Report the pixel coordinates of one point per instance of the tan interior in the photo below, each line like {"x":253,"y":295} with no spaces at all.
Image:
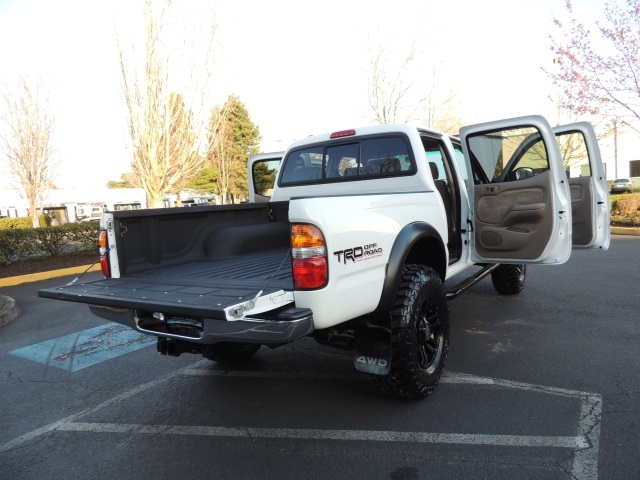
{"x":583,"y":222}
{"x":512,"y":218}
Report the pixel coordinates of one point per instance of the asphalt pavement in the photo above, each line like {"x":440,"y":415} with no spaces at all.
{"x":545,"y":384}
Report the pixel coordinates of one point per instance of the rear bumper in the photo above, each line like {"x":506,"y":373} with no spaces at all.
{"x":274,"y":328}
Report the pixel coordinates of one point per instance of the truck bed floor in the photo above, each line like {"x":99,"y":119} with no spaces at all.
{"x":201,"y":289}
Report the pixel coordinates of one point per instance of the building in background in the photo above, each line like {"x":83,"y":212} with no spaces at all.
{"x":621,"y":156}
{"x":75,"y":205}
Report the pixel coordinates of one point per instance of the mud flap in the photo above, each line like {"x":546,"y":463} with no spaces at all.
{"x":372,"y":353}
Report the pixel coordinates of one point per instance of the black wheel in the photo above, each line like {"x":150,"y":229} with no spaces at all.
{"x":419,"y":334}
{"x":509,"y":279}
{"x":230,"y":352}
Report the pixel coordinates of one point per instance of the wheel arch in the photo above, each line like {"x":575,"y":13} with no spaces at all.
{"x":417,"y":243}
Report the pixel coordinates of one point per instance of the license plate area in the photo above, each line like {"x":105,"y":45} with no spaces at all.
{"x":162,"y":323}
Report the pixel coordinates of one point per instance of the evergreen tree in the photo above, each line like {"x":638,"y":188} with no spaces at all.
{"x":206,"y":181}
{"x":233,"y":137}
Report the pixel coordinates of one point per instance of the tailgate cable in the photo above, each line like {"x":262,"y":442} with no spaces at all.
{"x":88,"y":268}
{"x":239,"y":310}
{"x":272,"y":276}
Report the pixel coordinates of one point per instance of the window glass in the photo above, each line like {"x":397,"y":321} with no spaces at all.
{"x":437,"y":160}
{"x":434,"y":157}
{"x":303,"y":166}
{"x":264,"y":176}
{"x":509,"y":155}
{"x":575,"y":157}
{"x":340,"y":158}
{"x":459,"y":156}
{"x":385,"y":156}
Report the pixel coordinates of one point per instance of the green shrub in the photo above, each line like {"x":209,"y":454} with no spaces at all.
{"x":24,"y":222}
{"x":20,"y":222}
{"x":51,"y":240}
{"x":45,"y":220}
{"x":84,"y":236}
{"x":16,"y":244}
{"x":68,"y":238}
{"x":20,"y":243}
{"x":625,"y":209}
{"x":626,"y":206}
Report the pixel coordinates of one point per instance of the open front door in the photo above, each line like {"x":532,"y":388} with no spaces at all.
{"x":519,"y":198}
{"x":589,"y":193}
{"x":263,"y":171}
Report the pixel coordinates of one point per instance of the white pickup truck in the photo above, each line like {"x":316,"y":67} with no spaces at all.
{"x":350,"y":238}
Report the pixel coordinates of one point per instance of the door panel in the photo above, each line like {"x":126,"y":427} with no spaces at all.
{"x":513,"y":217}
{"x":581,"y":212}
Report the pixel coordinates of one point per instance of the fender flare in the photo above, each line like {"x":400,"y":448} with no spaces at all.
{"x":403,"y":252}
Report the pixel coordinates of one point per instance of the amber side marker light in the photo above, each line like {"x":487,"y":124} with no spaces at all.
{"x":104,"y":257}
{"x":309,"y":254}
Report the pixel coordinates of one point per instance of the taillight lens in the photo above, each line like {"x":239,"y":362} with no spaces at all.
{"x":103,"y":242}
{"x":309,"y":253}
{"x":342,"y":133}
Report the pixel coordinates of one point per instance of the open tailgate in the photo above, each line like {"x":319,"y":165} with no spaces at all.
{"x":199,"y":289}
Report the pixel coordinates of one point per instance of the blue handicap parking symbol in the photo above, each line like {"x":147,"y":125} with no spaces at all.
{"x":89,"y":347}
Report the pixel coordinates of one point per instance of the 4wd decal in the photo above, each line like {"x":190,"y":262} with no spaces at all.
{"x":372,"y":361}
{"x":359,"y":254}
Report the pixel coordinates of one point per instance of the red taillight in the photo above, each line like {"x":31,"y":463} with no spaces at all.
{"x":309,"y":254}
{"x":309,"y":273}
{"x":104,"y":265}
{"x":103,"y":241}
{"x":343,"y":133}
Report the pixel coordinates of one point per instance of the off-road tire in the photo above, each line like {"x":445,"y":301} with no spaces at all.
{"x":509,"y":279}
{"x":419,"y":335}
{"x":230,"y":352}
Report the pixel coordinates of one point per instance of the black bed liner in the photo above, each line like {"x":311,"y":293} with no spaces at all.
{"x":198,"y":289}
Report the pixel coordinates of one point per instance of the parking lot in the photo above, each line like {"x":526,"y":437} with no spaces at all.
{"x":545,"y":384}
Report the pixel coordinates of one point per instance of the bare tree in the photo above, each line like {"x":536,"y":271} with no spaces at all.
{"x":602,"y":80}
{"x":27,"y":141}
{"x":220,"y":133}
{"x":391,"y":87}
{"x":441,"y":107}
{"x":167,"y":129}
{"x":399,"y":93}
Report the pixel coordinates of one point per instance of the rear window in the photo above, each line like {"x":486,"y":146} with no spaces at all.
{"x":365,"y":158}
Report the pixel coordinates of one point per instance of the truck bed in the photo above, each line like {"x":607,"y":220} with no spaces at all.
{"x":198,"y":289}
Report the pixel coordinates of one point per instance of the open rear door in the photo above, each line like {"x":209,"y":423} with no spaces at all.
{"x":520,"y":200}
{"x":589,"y":193}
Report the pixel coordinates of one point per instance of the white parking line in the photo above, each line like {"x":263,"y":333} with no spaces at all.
{"x":306,"y":434}
{"x":27,"y":437}
{"x":585,"y":443}
{"x":585,"y":461}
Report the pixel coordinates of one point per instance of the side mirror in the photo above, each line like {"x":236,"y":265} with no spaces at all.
{"x":521,"y":173}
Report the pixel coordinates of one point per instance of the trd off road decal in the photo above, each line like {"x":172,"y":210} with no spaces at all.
{"x":358,"y":254}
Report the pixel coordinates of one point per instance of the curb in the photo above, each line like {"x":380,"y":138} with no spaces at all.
{"x":9,"y":311}
{"x":626,"y":230}
{"x":36,"y":277}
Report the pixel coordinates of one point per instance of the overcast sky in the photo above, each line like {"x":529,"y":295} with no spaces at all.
{"x":299,"y":67}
